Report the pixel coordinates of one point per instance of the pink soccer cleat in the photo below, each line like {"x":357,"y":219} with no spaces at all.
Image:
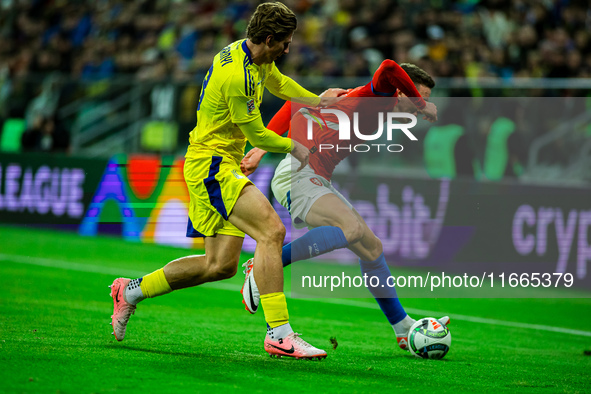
{"x":293,"y":346}
{"x":122,"y":309}
{"x":250,"y":291}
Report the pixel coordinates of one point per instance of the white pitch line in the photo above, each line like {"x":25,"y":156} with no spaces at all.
{"x":92,"y":268}
{"x":471,"y":319}
{"x":68,"y":265}
{"x":98,"y":269}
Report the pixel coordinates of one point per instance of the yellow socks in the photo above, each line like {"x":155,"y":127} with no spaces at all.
{"x":155,"y":284}
{"x":275,"y":309}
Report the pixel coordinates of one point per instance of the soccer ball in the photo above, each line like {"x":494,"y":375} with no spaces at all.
{"x":429,"y":338}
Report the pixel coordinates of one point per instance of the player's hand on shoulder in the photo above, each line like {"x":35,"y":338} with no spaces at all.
{"x":331,"y":96}
{"x":334,"y":92}
{"x":429,"y":112}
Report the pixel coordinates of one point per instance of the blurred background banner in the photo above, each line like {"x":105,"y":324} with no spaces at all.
{"x":137,"y":197}
{"x":46,"y":189}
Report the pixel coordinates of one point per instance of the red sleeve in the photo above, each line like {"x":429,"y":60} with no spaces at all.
{"x":389,"y":77}
{"x":280,"y":122}
{"x":282,"y":119}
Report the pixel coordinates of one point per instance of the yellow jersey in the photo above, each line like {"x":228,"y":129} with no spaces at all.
{"x":231,"y":94}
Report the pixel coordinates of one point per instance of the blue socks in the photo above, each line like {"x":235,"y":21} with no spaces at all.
{"x":325,"y":239}
{"x":385,"y":296}
{"x":315,"y":242}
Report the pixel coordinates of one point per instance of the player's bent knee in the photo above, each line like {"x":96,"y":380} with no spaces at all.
{"x":223,"y":268}
{"x":268,"y":227}
{"x":353,"y":231}
{"x":223,"y":271}
{"x":275,"y":232}
{"x":279,"y":232}
{"x":227,"y":272}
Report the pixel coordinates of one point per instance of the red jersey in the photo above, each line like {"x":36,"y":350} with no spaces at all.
{"x":387,"y":81}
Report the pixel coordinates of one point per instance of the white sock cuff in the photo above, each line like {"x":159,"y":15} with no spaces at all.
{"x":133,"y":292}
{"x":279,"y":332}
{"x":401,"y":328}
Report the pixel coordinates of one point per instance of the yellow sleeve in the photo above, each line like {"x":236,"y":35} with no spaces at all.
{"x":287,"y":89}
{"x":261,"y":137}
{"x":239,"y":91}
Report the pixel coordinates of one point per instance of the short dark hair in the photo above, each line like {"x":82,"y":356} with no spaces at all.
{"x":271,"y":19}
{"x":418,"y":75}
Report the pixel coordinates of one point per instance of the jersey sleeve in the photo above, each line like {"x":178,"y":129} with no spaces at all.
{"x":239,"y":91}
{"x":288,"y":89}
{"x":389,"y":77}
{"x":279,"y":124}
{"x":265,"y":139}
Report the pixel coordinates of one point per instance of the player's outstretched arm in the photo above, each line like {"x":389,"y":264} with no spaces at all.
{"x":331,"y":96}
{"x":265,"y":139}
{"x":288,"y":89}
{"x":253,"y":158}
{"x":391,"y":76}
{"x":279,"y":124}
{"x":281,"y":121}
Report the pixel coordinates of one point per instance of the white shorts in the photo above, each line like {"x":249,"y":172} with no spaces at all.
{"x":298,"y":191}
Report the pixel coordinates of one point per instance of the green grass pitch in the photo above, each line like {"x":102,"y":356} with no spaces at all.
{"x":55,"y":334}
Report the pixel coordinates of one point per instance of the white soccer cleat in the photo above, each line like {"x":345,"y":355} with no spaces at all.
{"x":250,"y":292}
{"x":293,"y":346}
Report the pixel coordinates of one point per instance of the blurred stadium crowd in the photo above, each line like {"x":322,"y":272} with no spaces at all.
{"x":99,"y":69}
{"x":151,"y":39}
